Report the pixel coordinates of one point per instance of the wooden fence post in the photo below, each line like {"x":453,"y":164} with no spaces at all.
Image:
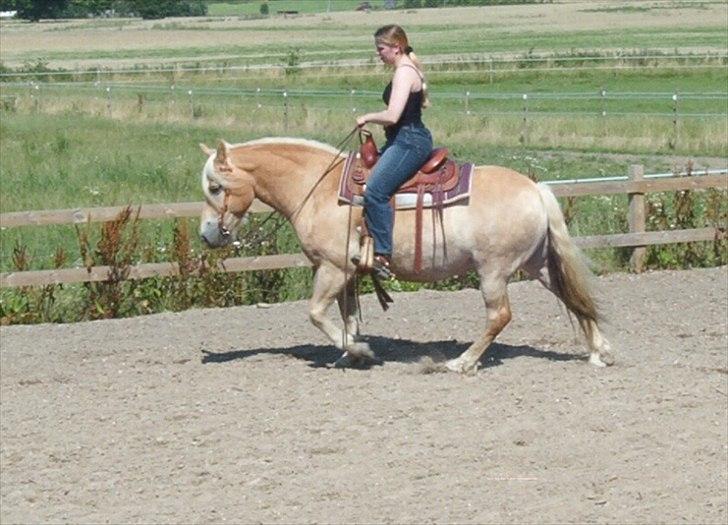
{"x":636,"y":218}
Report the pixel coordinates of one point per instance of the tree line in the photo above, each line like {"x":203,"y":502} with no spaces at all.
{"x":34,"y":10}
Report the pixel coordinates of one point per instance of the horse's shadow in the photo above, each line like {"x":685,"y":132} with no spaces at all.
{"x":394,"y":350}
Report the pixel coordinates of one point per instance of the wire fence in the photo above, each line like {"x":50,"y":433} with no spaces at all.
{"x":673,"y":104}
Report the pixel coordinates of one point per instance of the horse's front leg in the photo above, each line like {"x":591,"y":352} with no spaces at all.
{"x":349,"y":308}
{"x":328,"y":284}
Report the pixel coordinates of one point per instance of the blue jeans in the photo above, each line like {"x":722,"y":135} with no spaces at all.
{"x":400,"y":160}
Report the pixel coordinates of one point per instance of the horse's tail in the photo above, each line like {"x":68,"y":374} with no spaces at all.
{"x":569,"y":274}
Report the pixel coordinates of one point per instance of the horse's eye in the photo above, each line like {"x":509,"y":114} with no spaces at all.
{"x":215,"y":189}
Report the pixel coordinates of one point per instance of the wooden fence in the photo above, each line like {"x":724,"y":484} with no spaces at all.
{"x":635,"y":186}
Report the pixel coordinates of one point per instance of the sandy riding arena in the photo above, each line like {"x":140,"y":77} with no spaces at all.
{"x":234,"y":415}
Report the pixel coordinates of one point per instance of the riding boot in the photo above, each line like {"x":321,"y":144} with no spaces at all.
{"x":380,"y":267}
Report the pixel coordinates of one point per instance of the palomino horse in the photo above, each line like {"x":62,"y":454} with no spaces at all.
{"x":509,"y":223}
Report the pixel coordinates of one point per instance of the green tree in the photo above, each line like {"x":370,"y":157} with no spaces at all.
{"x":92,"y":7}
{"x":162,"y":8}
{"x":34,"y":10}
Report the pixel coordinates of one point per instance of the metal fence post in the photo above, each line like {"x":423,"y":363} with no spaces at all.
{"x":636,"y":218}
{"x":673,"y":142}
{"x":524,"y":123}
{"x":35,"y":97}
{"x":467,"y":102}
{"x":171,"y":105}
{"x":603,"y":94}
{"x":108,"y":101}
{"x":285,"y":111}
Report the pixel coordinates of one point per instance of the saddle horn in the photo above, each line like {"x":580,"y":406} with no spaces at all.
{"x":368,"y":149}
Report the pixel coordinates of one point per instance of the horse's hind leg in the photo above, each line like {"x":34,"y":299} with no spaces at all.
{"x":498,"y":315}
{"x":328,"y":284}
{"x":599,"y":348}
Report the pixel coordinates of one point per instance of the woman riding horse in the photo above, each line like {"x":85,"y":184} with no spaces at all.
{"x":409,"y":142}
{"x":508,"y":222}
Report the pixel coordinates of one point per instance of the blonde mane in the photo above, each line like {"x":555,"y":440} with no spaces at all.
{"x":290,"y":141}
{"x":209,"y":173}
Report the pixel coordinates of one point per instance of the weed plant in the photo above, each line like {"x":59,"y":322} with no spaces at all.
{"x":686,"y":209}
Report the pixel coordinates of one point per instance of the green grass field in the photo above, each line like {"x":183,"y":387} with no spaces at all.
{"x":328,"y":42}
{"x":565,"y":109}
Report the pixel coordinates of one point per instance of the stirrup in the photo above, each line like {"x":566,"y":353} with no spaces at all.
{"x":380,"y":268}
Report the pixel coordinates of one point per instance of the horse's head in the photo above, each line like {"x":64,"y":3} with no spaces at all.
{"x":228,"y":190}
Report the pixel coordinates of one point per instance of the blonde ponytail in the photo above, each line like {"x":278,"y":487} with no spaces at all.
{"x":425,"y":93}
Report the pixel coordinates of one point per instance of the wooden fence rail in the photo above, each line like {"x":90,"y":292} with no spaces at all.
{"x":635,"y":187}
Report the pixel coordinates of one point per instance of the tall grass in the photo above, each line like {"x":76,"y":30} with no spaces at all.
{"x":584,"y":109}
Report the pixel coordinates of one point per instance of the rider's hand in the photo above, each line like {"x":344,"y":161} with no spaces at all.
{"x":360,"y":122}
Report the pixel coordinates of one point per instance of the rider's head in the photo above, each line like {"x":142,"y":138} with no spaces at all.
{"x":390,"y":41}
{"x":393,"y":36}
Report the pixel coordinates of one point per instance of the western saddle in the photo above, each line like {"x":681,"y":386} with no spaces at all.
{"x":437,"y":175}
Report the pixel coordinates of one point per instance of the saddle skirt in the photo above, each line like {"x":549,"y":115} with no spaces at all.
{"x":449,"y":184}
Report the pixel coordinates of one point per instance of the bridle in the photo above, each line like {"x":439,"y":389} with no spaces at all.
{"x":226,"y":233}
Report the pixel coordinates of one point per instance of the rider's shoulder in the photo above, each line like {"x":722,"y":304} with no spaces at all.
{"x":407,"y":69}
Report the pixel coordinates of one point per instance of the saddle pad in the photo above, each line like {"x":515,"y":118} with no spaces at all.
{"x":404,"y":201}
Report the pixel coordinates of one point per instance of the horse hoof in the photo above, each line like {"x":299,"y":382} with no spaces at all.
{"x":462,"y":366}
{"x":458,"y":366}
{"x":601,"y":360}
{"x":361,"y":350}
{"x":345,"y":361}
{"x":454,"y":366}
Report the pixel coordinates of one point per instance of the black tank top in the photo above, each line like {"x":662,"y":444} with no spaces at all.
{"x":411,"y":114}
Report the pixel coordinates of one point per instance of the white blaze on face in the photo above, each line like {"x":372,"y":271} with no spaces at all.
{"x":209,"y":175}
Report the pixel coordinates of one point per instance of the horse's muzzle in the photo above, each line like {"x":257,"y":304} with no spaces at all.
{"x":213,"y":236}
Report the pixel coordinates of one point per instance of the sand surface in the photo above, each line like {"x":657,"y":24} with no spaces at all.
{"x":235,"y":416}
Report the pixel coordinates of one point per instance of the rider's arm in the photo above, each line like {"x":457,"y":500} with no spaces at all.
{"x":404,"y":79}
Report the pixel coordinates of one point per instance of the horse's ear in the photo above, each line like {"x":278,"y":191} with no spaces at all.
{"x":206,"y":149}
{"x":221,"y":156}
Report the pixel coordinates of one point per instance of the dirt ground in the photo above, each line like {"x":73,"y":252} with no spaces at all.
{"x":235,"y":416}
